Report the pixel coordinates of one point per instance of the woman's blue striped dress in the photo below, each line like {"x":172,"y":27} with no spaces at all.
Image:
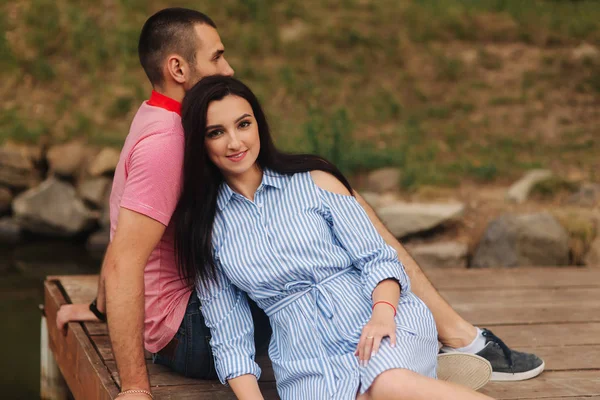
{"x":311,"y":259}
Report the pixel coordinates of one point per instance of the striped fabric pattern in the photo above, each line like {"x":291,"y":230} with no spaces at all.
{"x":311,"y":259}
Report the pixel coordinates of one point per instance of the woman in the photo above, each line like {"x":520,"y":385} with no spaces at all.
{"x":286,"y":230}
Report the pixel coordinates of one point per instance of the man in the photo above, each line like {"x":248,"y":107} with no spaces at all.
{"x":140,"y":290}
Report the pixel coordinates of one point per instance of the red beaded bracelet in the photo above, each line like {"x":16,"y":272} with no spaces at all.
{"x":384,"y":302}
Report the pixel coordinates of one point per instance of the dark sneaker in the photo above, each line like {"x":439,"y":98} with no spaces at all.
{"x":507,"y":364}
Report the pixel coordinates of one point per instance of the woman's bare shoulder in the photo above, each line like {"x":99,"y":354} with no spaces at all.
{"x":329,"y":182}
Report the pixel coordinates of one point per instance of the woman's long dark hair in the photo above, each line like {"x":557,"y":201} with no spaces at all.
{"x":195,"y":213}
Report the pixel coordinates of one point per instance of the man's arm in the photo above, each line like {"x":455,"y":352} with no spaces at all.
{"x":135,"y":238}
{"x":453,"y":330}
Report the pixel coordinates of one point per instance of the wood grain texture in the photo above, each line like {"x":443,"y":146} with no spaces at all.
{"x":79,"y":362}
{"x":553,"y":312}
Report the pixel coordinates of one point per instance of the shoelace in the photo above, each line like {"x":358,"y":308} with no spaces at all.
{"x":507,"y":352}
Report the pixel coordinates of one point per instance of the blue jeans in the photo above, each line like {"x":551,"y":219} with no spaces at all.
{"x":189,"y":352}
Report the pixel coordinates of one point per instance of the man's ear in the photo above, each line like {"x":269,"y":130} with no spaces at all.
{"x":177,"y":68}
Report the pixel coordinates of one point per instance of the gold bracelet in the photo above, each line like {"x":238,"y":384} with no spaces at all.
{"x":132,"y":391}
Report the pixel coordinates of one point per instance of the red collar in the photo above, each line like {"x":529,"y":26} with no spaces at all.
{"x":162,"y":101}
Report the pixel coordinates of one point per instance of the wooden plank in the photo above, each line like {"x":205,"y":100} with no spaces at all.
{"x":494,"y":278}
{"x":82,"y":368}
{"x":568,"y":357}
{"x":201,"y":392}
{"x":547,"y":385}
{"x":570,"y":398}
{"x":163,"y":376}
{"x":534,"y":336}
{"x":518,"y":306}
{"x":80,"y":288}
{"x":96,"y":328}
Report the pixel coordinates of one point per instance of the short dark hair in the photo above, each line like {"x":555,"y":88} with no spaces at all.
{"x":169,"y":31}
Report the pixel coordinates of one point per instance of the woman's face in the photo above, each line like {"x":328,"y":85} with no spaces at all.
{"x":232,"y":141}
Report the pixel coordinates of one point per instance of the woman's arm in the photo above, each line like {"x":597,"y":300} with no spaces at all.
{"x":356,"y":234}
{"x":246,"y":387}
{"x":227,"y":314}
{"x":382,"y":275}
{"x":382,"y":323}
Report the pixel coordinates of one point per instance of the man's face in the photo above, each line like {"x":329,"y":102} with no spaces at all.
{"x":209,"y":55}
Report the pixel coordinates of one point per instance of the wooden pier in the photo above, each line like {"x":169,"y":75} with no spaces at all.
{"x":553,"y":312}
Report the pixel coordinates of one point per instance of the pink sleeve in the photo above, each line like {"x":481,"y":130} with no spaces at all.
{"x":154,"y":173}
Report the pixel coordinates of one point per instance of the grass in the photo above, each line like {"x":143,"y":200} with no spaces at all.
{"x":366,"y":84}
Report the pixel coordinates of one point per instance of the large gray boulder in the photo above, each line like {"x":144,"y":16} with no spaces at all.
{"x":588,"y":195}
{"x":520,"y":190}
{"x":383,"y":180}
{"x":105,"y":162}
{"x":98,"y":241}
{"x":442,"y":254}
{"x":16,"y":168}
{"x":10,"y":231}
{"x":94,"y":190}
{"x":67,"y":159}
{"x":53,"y":208}
{"x":5,"y":199}
{"x":403,"y":219}
{"x":523,"y":240}
{"x":592,"y":257}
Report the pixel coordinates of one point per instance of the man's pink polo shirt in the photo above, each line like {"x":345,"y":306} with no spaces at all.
{"x":148,"y":181}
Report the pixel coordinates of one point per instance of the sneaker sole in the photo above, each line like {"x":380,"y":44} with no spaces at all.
{"x":464,"y":369}
{"x":521,"y":376}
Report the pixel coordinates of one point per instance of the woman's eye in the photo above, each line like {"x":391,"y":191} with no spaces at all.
{"x":244,"y":124}
{"x":213,"y":134}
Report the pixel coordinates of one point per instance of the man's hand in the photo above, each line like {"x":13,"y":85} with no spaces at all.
{"x":73,"y":313}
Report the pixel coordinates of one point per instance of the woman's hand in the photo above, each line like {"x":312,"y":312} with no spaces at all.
{"x":381,"y":325}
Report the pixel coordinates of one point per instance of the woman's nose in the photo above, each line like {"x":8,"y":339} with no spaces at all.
{"x":234,"y":142}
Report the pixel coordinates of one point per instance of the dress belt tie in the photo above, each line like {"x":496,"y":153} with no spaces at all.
{"x":323,"y":303}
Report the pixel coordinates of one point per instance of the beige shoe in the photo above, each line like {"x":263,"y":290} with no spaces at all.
{"x":465,"y":369}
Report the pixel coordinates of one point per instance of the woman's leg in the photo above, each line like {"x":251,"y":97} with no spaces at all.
{"x":402,"y":384}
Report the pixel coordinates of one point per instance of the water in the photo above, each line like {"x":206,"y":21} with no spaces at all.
{"x":23,"y":269}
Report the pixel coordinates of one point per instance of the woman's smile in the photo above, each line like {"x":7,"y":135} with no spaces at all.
{"x":237,"y":157}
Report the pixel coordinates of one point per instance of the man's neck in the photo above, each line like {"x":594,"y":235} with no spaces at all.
{"x":176,"y":93}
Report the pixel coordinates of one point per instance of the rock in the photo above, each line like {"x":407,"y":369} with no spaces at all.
{"x":10,"y":231}
{"x":293,"y":31}
{"x":98,"y":241}
{"x":406,"y":218}
{"x":443,"y":254}
{"x":105,"y":216}
{"x":67,"y":159}
{"x":94,"y":190}
{"x":581,"y":226}
{"x":5,"y":199}
{"x":592,"y":257}
{"x":585,"y":51}
{"x":519,"y":191}
{"x":373,"y":199}
{"x":17,"y":169}
{"x":104,"y":163}
{"x":587,"y":196}
{"x":523,"y":240}
{"x":53,"y":208}
{"x":383,"y":180}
